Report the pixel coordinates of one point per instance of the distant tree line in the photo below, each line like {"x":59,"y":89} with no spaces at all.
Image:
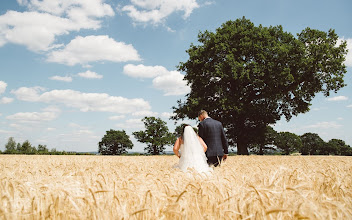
{"x":11,"y":147}
{"x":157,"y":135}
{"x":307,"y":144}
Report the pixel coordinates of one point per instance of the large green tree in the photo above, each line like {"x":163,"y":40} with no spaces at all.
{"x":115,"y":143}
{"x":156,"y":135}
{"x":288,"y":142}
{"x":250,"y":76}
{"x":311,"y":144}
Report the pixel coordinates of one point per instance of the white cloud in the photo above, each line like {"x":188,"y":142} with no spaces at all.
{"x":38,"y":28}
{"x":325,"y":125}
{"x":99,"y":102}
{"x":33,"y":116}
{"x":131,"y":123}
{"x":28,"y":94}
{"x":51,"y":129}
{"x":349,"y":106}
{"x":348,"y":60}
{"x":171,"y":84}
{"x":83,"y":50}
{"x":167,"y":115}
{"x":141,"y":71}
{"x":156,"y":11}
{"x":338,"y":98}
{"x":117,"y":117}
{"x":6,"y":100}
{"x":62,"y":78}
{"x":90,"y":75}
{"x":145,"y":113}
{"x":3,"y":86}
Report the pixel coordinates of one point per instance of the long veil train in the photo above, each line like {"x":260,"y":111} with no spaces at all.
{"x":192,"y":153}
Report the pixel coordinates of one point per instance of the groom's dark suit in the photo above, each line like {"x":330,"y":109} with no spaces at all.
{"x":213,"y":135}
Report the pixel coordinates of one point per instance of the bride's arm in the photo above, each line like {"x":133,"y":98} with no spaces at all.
{"x":177,"y":147}
{"x":204,"y":145}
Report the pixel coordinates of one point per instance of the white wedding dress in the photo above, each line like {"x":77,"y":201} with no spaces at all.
{"x":192,"y":153}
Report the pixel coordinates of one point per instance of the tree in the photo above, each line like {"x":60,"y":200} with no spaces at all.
{"x":10,"y":146}
{"x":264,"y":143}
{"x":42,"y":149}
{"x":248,"y":76}
{"x":288,"y":142}
{"x":26,"y":148}
{"x":338,"y":147}
{"x":311,"y":144}
{"x":156,"y":135}
{"x":115,"y":143}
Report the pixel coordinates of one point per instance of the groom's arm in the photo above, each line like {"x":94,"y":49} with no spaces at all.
{"x":201,"y":130}
{"x":225,"y":144}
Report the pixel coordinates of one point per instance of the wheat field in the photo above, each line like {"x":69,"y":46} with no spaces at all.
{"x":147,"y":187}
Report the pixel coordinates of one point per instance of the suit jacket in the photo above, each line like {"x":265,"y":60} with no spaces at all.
{"x":213,"y":135}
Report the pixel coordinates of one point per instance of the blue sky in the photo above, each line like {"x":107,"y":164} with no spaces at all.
{"x":70,"y":70}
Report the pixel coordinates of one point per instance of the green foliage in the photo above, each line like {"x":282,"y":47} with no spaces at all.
{"x":42,"y":149}
{"x":156,"y":135}
{"x":288,"y":142}
{"x":10,"y":146}
{"x":337,"y":147}
{"x":264,"y":144}
{"x":115,"y":143}
{"x":248,"y":76}
{"x":311,"y":144}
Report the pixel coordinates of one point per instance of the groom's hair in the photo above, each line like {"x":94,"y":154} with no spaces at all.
{"x":201,"y":112}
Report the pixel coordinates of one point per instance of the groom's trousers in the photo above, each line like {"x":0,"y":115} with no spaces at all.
{"x":214,"y":160}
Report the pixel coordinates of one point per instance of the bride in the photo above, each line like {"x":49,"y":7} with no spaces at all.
{"x":192,"y":149}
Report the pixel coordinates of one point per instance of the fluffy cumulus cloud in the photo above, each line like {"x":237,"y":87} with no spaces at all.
{"x":48,"y":114}
{"x":6,"y":100}
{"x":170,"y":82}
{"x":3,"y":86}
{"x":145,"y":114}
{"x":338,"y":98}
{"x":131,"y":123}
{"x":62,"y":78}
{"x":142,"y":71}
{"x":156,"y":11}
{"x":98,"y":102}
{"x":83,"y":50}
{"x":38,"y":27}
{"x":90,"y":75}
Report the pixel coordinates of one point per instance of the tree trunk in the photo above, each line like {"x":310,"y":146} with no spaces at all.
{"x":242,"y":148}
{"x":261,"y":152}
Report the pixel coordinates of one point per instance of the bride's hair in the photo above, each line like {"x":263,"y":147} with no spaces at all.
{"x":183,"y":129}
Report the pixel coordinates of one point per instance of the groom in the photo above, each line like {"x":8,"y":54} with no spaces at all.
{"x":212,"y":132}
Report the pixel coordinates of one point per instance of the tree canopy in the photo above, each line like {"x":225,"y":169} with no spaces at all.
{"x":249,"y":76}
{"x":156,"y":135}
{"x":115,"y":143}
{"x":311,"y":144}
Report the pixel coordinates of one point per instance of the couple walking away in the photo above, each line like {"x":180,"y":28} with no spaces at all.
{"x":206,"y":149}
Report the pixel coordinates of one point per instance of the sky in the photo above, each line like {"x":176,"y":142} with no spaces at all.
{"x":72,"y":69}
